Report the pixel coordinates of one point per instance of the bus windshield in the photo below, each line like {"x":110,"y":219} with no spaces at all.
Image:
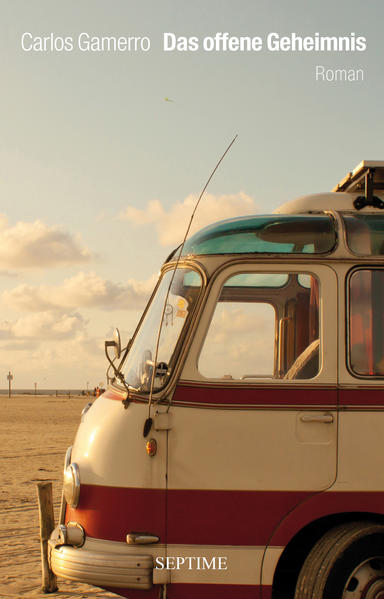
{"x":169,"y":309}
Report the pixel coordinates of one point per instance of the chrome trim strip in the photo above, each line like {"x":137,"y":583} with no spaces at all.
{"x":102,"y":568}
{"x":141,"y":538}
{"x":63,"y":504}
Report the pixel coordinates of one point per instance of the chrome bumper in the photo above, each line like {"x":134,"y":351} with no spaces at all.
{"x":103,"y":563}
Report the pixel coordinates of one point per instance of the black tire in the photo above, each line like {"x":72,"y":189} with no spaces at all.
{"x":346,"y":563}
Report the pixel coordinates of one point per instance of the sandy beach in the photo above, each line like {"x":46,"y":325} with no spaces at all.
{"x":35,"y":432}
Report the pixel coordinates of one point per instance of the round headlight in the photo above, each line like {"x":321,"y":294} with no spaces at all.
{"x":71,"y":485}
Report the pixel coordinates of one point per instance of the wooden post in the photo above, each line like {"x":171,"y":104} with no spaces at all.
{"x":47,"y":524}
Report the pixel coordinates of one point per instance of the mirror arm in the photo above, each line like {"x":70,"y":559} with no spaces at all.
{"x":126,"y":350}
{"x":108,"y":344}
{"x":118,"y":374}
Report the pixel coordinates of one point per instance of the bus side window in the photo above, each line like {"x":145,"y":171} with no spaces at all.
{"x":265,"y":325}
{"x":366,"y":322}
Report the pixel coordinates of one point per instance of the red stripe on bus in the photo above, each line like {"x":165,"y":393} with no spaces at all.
{"x":361,"y":397}
{"x":152,"y":593}
{"x":283,"y":396}
{"x":217,"y":591}
{"x":202,"y":591}
{"x":277,"y":396}
{"x":321,"y":505}
{"x":201,"y":517}
{"x":112,"y":512}
{"x":226,"y":517}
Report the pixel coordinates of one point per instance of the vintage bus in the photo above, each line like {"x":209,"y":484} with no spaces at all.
{"x":237,"y":452}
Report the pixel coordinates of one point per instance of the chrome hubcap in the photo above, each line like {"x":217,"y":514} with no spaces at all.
{"x":366,"y":581}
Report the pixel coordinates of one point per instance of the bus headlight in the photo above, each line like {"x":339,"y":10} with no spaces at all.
{"x":71,"y":485}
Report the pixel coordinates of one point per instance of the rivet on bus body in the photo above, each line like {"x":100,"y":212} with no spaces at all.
{"x":151,"y":447}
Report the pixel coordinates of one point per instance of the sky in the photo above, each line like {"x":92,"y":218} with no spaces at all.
{"x":102,"y":154}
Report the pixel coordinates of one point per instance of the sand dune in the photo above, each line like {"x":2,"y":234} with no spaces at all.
{"x":35,"y":432}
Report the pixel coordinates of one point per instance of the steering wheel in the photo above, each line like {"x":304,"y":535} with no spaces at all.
{"x":306,"y":365}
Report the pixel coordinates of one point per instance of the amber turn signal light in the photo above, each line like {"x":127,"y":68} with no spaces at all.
{"x":151,"y":447}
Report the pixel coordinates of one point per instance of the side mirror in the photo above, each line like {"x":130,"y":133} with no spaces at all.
{"x":115,"y":343}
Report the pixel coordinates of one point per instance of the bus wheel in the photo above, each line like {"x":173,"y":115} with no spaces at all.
{"x":346,"y":563}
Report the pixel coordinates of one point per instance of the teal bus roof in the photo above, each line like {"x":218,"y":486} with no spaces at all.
{"x":271,"y":234}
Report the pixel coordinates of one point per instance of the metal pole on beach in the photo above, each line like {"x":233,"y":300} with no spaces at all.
{"x":10,"y":378}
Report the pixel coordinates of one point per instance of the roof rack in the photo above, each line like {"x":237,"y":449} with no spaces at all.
{"x":367,"y":177}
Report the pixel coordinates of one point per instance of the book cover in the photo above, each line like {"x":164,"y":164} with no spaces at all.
{"x":128,"y":127}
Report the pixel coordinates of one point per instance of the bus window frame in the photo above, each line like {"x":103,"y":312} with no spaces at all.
{"x":327,"y":277}
{"x":349,"y":275}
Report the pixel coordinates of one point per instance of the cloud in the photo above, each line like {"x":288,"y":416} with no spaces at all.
{"x":38,"y":245}
{"x":10,"y":274}
{"x":18,"y":345}
{"x":55,"y":362}
{"x":43,"y":325}
{"x":172,"y":224}
{"x":84,"y":290}
{"x":240,"y":341}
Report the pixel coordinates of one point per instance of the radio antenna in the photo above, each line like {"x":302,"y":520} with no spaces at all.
{"x":148,"y":422}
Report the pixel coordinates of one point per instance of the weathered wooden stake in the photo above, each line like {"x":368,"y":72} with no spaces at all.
{"x":47,"y":524}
